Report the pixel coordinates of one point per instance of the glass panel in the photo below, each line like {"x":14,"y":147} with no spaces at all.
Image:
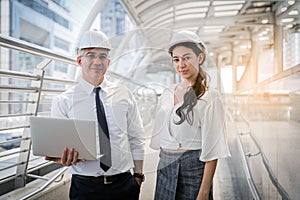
{"x":231,"y":7}
{"x":190,"y":10}
{"x":194,"y":4}
{"x":193,"y":16}
{"x":227,"y":2}
{"x":228,"y":13}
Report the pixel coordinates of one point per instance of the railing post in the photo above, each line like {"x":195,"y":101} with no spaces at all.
{"x":21,"y":172}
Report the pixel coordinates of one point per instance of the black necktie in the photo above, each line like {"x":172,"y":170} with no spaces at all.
{"x":105,"y":149}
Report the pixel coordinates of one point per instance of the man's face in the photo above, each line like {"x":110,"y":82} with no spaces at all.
{"x":94,"y":63}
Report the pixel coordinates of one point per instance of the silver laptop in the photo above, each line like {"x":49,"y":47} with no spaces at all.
{"x":51,"y":135}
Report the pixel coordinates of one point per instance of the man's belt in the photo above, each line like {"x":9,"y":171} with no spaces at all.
{"x":103,"y":179}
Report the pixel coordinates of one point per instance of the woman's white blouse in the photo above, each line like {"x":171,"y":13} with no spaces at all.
{"x":207,"y":132}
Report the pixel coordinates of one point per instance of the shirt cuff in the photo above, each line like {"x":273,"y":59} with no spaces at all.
{"x":138,"y":154}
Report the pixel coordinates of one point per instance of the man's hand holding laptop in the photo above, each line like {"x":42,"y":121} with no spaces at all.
{"x":68,"y":157}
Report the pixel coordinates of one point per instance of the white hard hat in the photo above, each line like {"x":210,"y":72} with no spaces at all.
{"x":93,"y":39}
{"x":183,"y":36}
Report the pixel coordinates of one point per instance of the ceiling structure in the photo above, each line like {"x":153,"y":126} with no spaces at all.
{"x":224,"y":26}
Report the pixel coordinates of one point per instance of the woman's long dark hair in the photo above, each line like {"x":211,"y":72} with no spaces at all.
{"x":197,"y":90}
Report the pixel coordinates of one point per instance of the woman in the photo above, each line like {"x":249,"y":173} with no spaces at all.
{"x":189,"y":126}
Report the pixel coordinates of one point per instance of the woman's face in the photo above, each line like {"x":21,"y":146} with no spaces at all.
{"x":186,"y":62}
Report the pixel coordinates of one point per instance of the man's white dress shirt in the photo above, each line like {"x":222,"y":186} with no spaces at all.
{"x":123,"y":120}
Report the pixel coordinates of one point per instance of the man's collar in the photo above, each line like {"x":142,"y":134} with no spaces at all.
{"x":89,"y":88}
{"x":103,"y":85}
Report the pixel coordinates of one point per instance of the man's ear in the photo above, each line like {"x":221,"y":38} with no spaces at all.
{"x":79,"y":61}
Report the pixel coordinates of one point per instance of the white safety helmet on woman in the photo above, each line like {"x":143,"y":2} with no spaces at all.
{"x":93,"y":39}
{"x":186,"y":36}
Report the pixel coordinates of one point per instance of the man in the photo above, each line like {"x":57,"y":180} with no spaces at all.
{"x":115,"y":109}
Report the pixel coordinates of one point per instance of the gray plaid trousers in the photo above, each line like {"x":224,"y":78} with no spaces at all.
{"x":179,"y":176}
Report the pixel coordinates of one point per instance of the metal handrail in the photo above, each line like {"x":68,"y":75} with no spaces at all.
{"x":266,"y":163}
{"x":12,"y":43}
{"x":29,"y":89}
{"x":11,"y":152}
{"x":14,"y":74}
{"x":27,"y":76}
{"x":14,"y":165}
{"x":13,"y":128}
{"x":16,"y":101}
{"x":61,"y":172}
{"x":12,"y":141}
{"x":16,"y":115}
{"x":29,"y":171}
{"x":18,"y":88}
{"x":247,"y":170}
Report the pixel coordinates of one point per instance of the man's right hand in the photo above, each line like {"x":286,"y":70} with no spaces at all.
{"x":68,"y":157}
